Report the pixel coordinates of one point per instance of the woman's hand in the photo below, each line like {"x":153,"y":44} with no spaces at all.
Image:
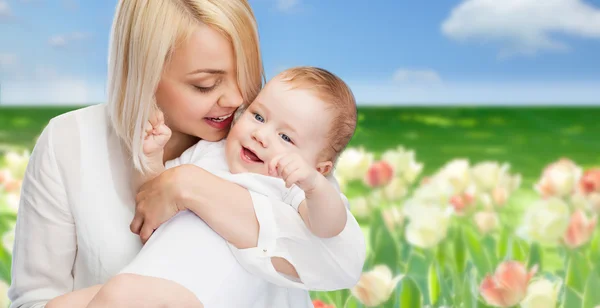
{"x":156,"y":202}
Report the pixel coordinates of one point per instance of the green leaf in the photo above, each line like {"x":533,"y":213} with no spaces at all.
{"x":535,"y":257}
{"x":351,"y":302}
{"x":383,"y":245}
{"x":518,"y":250}
{"x":594,"y":250}
{"x":591,"y":296}
{"x":577,"y":272}
{"x":571,"y":298}
{"x":5,"y":264}
{"x":410,"y":296}
{"x":433,"y":283}
{"x":502,"y":245}
{"x":459,"y":251}
{"x":476,"y":253}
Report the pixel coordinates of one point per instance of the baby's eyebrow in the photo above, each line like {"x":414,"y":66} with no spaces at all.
{"x":208,"y":71}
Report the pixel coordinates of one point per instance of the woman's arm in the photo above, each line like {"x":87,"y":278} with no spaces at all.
{"x":45,"y":242}
{"x":266,"y":235}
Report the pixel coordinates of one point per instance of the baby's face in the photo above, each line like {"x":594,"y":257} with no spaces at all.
{"x":279,"y":121}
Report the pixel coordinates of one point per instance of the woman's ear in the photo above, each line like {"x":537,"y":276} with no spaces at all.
{"x":325,"y":167}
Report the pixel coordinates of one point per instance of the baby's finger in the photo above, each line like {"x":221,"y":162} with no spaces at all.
{"x":164,"y":130}
{"x":293,"y":179}
{"x":148,"y":130}
{"x":273,"y":165}
{"x":289,"y":170}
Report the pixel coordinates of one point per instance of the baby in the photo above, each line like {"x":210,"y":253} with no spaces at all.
{"x":283,"y":145}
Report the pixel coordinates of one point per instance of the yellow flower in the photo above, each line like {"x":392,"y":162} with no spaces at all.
{"x":541,"y":294}
{"x":376,"y":286}
{"x":545,"y":221}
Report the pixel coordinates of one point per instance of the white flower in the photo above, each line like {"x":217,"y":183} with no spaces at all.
{"x":353,"y":164}
{"x":376,"y":286}
{"x":545,"y":221}
{"x":12,"y":201}
{"x":395,"y":190}
{"x":559,"y":179}
{"x":428,"y":225}
{"x":488,"y":174}
{"x":457,"y":173}
{"x":360,"y":207}
{"x":486,"y":221}
{"x":435,"y":191}
{"x":541,"y":294}
{"x":17,"y":163}
{"x":393,"y":218}
{"x":404,"y":163}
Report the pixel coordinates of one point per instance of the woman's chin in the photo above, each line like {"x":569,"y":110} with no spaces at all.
{"x":213,"y":136}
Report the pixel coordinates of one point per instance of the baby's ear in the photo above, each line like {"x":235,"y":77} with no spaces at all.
{"x":325,"y":167}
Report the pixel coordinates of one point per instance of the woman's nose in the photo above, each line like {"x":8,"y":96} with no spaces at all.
{"x":232,"y":98}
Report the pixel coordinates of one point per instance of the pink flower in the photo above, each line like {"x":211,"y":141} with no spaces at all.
{"x":461,"y":203}
{"x":379,"y":174}
{"x":319,"y":304}
{"x":508,"y":286}
{"x":580,"y":230}
{"x":5,"y":176}
{"x":590,"y":182}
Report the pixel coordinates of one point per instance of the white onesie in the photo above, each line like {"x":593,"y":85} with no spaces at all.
{"x":185,"y":250}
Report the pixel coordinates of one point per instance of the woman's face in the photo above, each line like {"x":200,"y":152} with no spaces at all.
{"x":198,"y":91}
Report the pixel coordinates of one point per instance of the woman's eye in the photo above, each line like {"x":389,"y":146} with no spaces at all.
{"x":258,"y":117}
{"x":286,"y":138}
{"x":205,"y":89}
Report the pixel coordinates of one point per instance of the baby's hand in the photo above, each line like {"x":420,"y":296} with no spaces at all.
{"x":156,"y":134}
{"x":293,"y":169}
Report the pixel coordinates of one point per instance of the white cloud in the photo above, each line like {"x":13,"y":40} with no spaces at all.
{"x":479,"y":93}
{"x":287,"y":5}
{"x":64,"y":91}
{"x":523,"y":26}
{"x":64,"y":40}
{"x":5,"y":11}
{"x":417,"y":76}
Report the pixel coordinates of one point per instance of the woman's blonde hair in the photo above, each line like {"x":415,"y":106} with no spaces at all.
{"x":145,"y":33}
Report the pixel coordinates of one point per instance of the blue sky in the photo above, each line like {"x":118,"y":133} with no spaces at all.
{"x":389,"y":51}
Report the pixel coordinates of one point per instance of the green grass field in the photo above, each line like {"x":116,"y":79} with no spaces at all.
{"x":528,"y":138}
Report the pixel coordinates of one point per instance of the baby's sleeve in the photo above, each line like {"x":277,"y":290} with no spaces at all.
{"x":324,"y":264}
{"x":294,"y":196}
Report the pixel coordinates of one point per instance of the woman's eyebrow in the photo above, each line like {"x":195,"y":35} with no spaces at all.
{"x":208,"y":70}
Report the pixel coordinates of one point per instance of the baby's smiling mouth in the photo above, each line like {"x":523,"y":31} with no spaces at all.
{"x":250,"y":155}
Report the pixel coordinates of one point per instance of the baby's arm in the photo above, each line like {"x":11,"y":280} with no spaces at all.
{"x":156,"y":135}
{"x":323,"y":210}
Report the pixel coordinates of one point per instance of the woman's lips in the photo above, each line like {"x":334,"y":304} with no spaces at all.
{"x":219,"y":124}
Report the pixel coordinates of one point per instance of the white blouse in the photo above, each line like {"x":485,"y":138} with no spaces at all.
{"x":77,"y":202}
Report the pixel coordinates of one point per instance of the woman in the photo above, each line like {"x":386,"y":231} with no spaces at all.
{"x":198,"y":60}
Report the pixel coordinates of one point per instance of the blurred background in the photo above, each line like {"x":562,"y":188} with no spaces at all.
{"x":477,"y":142}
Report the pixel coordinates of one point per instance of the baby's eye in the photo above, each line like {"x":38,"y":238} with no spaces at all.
{"x":286,"y":138}
{"x":258,"y":117}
